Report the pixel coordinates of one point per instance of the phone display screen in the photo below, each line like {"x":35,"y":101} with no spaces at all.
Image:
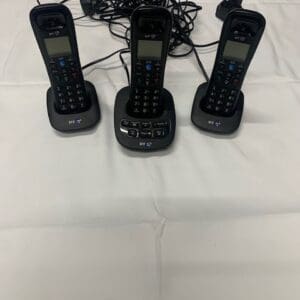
{"x":58,"y":46}
{"x":235,"y":50}
{"x":150,"y":49}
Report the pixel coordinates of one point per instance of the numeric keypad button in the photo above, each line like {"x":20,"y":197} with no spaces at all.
{"x":83,"y":105}
{"x":145,"y":111}
{"x":209,"y":107}
{"x":154,"y":111}
{"x":73,"y":106}
{"x":137,"y":110}
{"x":64,"y":108}
{"x":62,"y":101}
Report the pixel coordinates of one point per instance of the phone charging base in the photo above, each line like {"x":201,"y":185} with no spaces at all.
{"x":225,"y":7}
{"x":160,"y":138}
{"x":212,"y":123}
{"x":78,"y":121}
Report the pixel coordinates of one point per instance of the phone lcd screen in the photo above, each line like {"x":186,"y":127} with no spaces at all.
{"x":149,"y":49}
{"x":235,"y":50}
{"x":58,"y":46}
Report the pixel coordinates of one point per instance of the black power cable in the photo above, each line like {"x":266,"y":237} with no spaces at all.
{"x":116,"y":12}
{"x":104,"y":58}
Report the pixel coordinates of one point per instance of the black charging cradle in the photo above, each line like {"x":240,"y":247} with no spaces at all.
{"x":166,"y":122}
{"x":226,"y":6}
{"x":74,"y":122}
{"x":87,"y":7}
{"x":212,"y":123}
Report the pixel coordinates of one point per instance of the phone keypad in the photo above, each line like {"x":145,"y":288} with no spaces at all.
{"x":145,"y":130}
{"x":229,"y":73}
{"x":148,"y":74}
{"x":220,"y":101}
{"x":145,"y":102}
{"x":146,"y":97}
{"x":69,"y":88}
{"x":222,"y":95}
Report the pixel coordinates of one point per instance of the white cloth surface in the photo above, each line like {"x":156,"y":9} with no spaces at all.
{"x":234,"y":259}
{"x":211,"y":217}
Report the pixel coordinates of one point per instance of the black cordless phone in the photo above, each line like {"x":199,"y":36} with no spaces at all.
{"x":218,"y":105}
{"x":144,"y":112}
{"x":72,"y":102}
{"x":150,"y":35}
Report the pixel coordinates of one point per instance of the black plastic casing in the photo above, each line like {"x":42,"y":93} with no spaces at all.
{"x":69,"y":122}
{"x":152,"y":13}
{"x":124,"y":96}
{"x":144,"y":144}
{"x":68,"y":30}
{"x":237,"y":16}
{"x":240,"y":15}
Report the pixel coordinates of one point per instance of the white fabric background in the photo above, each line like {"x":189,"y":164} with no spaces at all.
{"x":212,"y":217}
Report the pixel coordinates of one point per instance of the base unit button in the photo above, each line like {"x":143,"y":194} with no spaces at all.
{"x":146,"y":124}
{"x":146,"y":134}
{"x":134,"y":124}
{"x":125,"y":123}
{"x":161,"y":124}
{"x":132,"y":133}
{"x":160,"y":133}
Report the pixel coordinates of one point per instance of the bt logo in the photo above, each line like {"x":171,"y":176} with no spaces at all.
{"x":215,"y":123}
{"x":75,"y":122}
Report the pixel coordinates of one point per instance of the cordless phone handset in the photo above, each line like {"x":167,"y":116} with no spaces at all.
{"x":144,"y":112}
{"x":220,"y":102}
{"x":150,"y":37}
{"x":72,"y":102}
